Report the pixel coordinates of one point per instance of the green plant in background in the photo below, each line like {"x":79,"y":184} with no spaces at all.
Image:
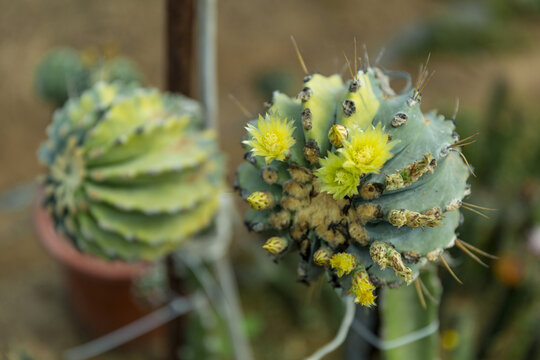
{"x":65,"y":72}
{"x":18,"y":355}
{"x":362,"y":184}
{"x":506,"y":325}
{"x":467,"y":27}
{"x":269,"y":80}
{"x":521,"y":8}
{"x":131,"y":175}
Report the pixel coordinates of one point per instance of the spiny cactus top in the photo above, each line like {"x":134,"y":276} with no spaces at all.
{"x":64,"y":72}
{"x":131,"y":175}
{"x":356,"y":179}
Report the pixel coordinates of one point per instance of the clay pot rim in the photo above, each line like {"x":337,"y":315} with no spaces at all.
{"x":63,"y":251}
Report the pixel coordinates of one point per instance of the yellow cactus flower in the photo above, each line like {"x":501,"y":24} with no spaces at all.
{"x":362,"y":288}
{"x":366,"y":151}
{"x":335,"y":179}
{"x":343,"y":263}
{"x":271,"y":138}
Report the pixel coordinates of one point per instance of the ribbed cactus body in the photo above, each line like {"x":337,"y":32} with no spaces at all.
{"x":65,"y":73}
{"x":367,"y":167}
{"x":131,"y":173}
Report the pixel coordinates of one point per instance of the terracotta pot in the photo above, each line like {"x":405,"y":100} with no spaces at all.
{"x":100,"y":292}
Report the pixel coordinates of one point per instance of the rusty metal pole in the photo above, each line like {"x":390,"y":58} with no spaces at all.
{"x":180,"y":23}
{"x":180,"y":44}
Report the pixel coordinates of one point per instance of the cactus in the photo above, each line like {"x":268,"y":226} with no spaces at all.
{"x":130,"y":173}
{"x":358,"y":180}
{"x":65,"y":73}
{"x":59,"y":73}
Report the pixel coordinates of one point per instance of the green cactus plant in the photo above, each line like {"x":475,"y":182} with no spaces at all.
{"x":352,"y":168}
{"x":65,"y":73}
{"x":59,"y":73}
{"x":358,"y":181}
{"x":131,"y":175}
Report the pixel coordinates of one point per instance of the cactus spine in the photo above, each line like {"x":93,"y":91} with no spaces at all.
{"x":130,"y":173}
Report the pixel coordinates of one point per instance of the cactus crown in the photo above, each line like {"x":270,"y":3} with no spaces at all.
{"x":131,"y":175}
{"x":366,"y":187}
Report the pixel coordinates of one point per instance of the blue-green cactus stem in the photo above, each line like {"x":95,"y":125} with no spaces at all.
{"x":367,"y":168}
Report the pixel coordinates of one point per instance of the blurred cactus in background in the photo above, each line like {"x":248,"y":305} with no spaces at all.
{"x":65,"y":72}
{"x":131,"y":174}
{"x":494,"y":315}
{"x":60,"y":73}
{"x":361,"y":183}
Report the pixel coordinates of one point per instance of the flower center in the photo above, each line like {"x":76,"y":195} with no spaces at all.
{"x":340,"y":177}
{"x":364,"y":155}
{"x":271,"y":140}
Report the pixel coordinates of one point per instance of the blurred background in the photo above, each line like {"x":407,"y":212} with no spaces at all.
{"x":486,"y":53}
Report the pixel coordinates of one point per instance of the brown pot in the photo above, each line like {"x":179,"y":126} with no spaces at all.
{"x":100,"y":292}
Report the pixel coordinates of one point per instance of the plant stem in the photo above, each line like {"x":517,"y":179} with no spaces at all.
{"x":402,"y":314}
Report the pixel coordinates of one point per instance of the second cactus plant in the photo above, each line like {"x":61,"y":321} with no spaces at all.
{"x":131,"y":174}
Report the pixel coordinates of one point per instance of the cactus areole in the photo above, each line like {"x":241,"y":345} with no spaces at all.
{"x":358,"y":180}
{"x":131,"y":175}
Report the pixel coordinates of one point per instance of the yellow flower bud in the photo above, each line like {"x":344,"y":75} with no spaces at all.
{"x":337,"y":134}
{"x":260,"y":200}
{"x":322,"y":256}
{"x":275,"y":245}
